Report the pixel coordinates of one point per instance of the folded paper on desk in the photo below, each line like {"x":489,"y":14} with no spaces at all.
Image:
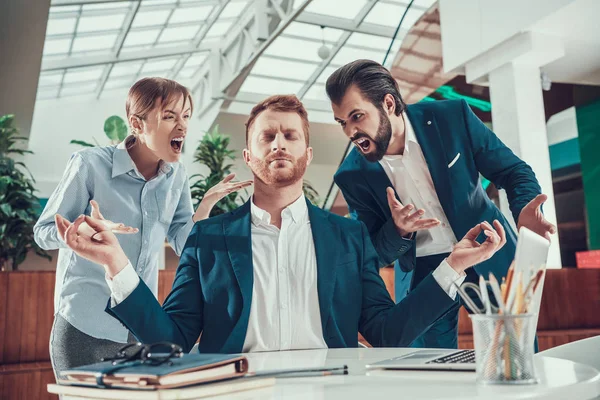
{"x":192,"y":392}
{"x":189,"y":369}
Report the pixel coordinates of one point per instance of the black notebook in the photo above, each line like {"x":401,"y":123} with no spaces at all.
{"x":189,"y":369}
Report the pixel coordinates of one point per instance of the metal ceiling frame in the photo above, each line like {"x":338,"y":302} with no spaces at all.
{"x":341,"y":42}
{"x":232,"y":56}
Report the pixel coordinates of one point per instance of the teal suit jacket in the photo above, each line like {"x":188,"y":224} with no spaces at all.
{"x":212,"y":291}
{"x":457,"y":147}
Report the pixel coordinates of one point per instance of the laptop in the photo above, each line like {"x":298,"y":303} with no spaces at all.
{"x":531,"y":254}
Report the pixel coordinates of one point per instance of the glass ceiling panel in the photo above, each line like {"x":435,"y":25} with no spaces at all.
{"x":157,"y":2}
{"x":196,"y":59}
{"x":110,"y":5}
{"x":178,"y":34}
{"x":126,"y":68}
{"x":125,"y":81}
{"x":424,"y":3}
{"x":57,"y":46}
{"x":60,"y":26}
{"x":91,"y":43}
{"x":390,"y":14}
{"x":62,"y":9}
{"x":233,"y":9}
{"x":219,"y":29}
{"x":349,"y":54}
{"x":50,"y":78}
{"x":83,"y":74}
{"x":348,"y":10}
{"x":283,"y":69}
{"x":369,"y":41}
{"x":100,"y":23}
{"x":150,"y":18}
{"x":47,"y":93}
{"x":190,"y":14}
{"x":118,"y":93}
{"x":187,"y":72}
{"x":316,"y":92}
{"x":313,"y":31}
{"x":325,"y":74}
{"x":159,"y":65}
{"x":134,"y":49}
{"x":294,"y":48}
{"x":86,"y":88}
{"x":141,"y":38}
{"x":254,"y":84}
{"x":152,"y":74}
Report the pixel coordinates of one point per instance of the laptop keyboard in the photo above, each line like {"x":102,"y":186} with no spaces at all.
{"x":460,"y":357}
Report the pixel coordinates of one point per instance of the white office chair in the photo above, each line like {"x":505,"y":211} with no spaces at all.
{"x":584,"y":351}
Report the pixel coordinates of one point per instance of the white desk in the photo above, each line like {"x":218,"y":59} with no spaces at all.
{"x":559,"y":379}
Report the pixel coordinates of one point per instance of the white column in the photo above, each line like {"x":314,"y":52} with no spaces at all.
{"x":518,"y":119}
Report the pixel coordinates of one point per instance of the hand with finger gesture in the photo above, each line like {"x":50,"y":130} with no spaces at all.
{"x":405,"y":219}
{"x":216,"y":193}
{"x":468,"y":252}
{"x":101,"y":247}
{"x":115,"y":227}
{"x":531,"y":217}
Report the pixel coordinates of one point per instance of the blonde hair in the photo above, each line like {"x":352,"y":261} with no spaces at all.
{"x":144,"y":93}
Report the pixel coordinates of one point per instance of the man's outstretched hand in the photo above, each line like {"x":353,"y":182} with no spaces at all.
{"x":532,"y":218}
{"x":405,"y":220}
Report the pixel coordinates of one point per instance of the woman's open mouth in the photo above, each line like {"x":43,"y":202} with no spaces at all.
{"x":177,"y":144}
{"x":363,"y":144}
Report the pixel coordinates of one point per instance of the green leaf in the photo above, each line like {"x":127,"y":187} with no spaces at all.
{"x":6,"y":209}
{"x":82,"y":143}
{"x":115,"y":128}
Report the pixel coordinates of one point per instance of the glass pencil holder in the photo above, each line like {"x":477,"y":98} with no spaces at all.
{"x":504,"y":348}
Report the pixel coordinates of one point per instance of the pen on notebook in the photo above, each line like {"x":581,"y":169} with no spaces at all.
{"x":302,"y":372}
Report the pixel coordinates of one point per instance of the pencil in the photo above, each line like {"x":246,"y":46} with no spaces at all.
{"x":509,"y":278}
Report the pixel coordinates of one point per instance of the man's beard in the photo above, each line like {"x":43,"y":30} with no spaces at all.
{"x":279,"y":176}
{"x":381,"y":139}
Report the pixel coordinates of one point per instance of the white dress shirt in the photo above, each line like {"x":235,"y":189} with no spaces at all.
{"x":411,"y":178}
{"x":284,"y":313}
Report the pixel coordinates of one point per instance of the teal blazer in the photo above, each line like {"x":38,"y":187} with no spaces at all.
{"x":457,"y":147}
{"x":212,"y":291}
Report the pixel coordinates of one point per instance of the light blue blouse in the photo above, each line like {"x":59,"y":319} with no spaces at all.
{"x":160,"y":207}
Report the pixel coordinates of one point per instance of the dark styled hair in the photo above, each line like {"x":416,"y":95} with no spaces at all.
{"x":282,"y":103}
{"x":372,"y":79}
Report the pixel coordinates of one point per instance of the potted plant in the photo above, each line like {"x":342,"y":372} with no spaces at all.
{"x":19,"y":207}
{"x":213,"y":152}
{"x":115,"y":130}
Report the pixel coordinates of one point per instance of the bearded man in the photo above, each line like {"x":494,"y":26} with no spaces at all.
{"x":413,"y":179}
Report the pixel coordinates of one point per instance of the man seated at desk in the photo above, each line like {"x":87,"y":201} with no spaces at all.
{"x":277,"y":273}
